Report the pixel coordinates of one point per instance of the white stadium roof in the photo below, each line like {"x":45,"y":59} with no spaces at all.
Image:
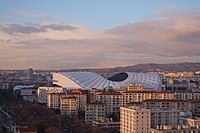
{"x":88,"y":80}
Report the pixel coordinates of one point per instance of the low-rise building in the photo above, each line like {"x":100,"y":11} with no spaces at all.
{"x":179,"y":129}
{"x":28,"y":93}
{"x":42,"y":93}
{"x":191,"y":121}
{"x":105,"y":123}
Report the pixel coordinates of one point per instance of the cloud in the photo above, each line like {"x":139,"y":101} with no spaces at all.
{"x":170,"y":36}
{"x":58,"y":27}
{"x":18,"y":13}
{"x":31,"y":28}
{"x":57,"y":45}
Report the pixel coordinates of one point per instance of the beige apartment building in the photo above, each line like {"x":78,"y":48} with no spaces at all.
{"x":134,"y":87}
{"x":53,"y":100}
{"x":69,"y":106}
{"x":139,"y":96}
{"x":135,"y":120}
{"x":112,"y":102}
{"x":82,"y":100}
{"x":94,"y":111}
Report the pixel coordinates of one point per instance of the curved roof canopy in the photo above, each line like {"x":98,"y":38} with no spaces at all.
{"x":20,"y":87}
{"x":88,"y":80}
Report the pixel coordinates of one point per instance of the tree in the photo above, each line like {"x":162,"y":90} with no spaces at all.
{"x":4,"y":129}
{"x":52,"y":130}
{"x":40,"y":129}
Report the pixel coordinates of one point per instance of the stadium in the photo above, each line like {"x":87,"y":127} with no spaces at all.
{"x":87,"y":80}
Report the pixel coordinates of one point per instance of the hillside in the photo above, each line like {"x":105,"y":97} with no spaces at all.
{"x":173,"y":67}
{"x":150,"y":67}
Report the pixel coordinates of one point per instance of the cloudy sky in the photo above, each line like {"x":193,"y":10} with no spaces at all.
{"x":65,"y":34}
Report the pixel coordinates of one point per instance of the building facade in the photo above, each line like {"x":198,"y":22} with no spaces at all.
{"x":139,"y":96}
{"x":53,"y":100}
{"x":93,"y":111}
{"x":112,"y":102}
{"x":42,"y":93}
{"x":135,"y":120}
{"x":69,"y":106}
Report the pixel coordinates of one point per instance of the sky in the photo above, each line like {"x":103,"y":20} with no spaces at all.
{"x":97,"y":34}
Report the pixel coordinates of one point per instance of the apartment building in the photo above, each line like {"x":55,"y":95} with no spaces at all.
{"x":135,"y":120}
{"x":69,"y":106}
{"x":139,"y":96}
{"x":93,"y":111}
{"x":187,"y":95}
{"x":179,"y":129}
{"x":133,"y":87}
{"x":53,"y":100}
{"x":166,"y":104}
{"x":93,"y":94}
{"x":82,"y":100}
{"x":112,"y":102}
{"x":164,"y":117}
{"x":194,"y":106}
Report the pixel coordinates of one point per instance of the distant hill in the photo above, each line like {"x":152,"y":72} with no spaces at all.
{"x":172,"y":67}
{"x":150,"y":67}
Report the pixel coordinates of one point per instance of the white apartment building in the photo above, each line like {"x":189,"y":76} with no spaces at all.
{"x":135,"y":120}
{"x":93,"y":111}
{"x":112,"y":102}
{"x":69,"y":106}
{"x":53,"y":100}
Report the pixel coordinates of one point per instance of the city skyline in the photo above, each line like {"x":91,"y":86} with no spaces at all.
{"x":65,"y":35}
